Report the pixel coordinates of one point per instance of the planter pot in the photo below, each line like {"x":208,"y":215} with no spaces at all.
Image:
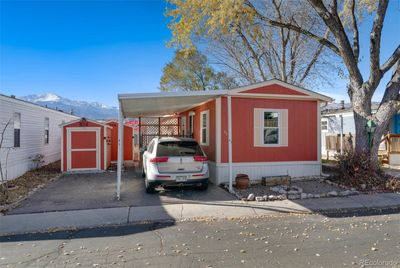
{"x":242,"y":181}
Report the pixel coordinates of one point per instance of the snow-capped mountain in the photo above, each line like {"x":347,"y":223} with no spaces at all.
{"x":91,"y":110}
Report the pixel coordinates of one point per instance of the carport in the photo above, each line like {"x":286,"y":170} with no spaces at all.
{"x":164,"y":104}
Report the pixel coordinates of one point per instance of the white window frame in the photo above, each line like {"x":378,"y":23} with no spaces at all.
{"x":207,"y":127}
{"x":191,"y":124}
{"x":70,"y":150}
{"x":47,"y":127}
{"x":280,"y":128}
{"x":327,"y":124}
{"x":183,"y":126}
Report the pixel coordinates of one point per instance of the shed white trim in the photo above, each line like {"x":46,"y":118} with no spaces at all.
{"x":70,"y":150}
{"x":207,"y":128}
{"x":87,"y":120}
{"x":218,"y":130}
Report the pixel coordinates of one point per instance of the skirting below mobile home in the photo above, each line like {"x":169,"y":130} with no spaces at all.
{"x":255,"y":171}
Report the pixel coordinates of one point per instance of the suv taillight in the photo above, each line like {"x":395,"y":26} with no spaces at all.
{"x":159,"y":160}
{"x":200,"y":158}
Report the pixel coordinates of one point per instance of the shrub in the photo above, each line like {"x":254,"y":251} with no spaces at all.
{"x":393,"y":184}
{"x":356,"y":169}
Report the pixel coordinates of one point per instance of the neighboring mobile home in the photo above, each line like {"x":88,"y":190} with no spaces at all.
{"x":31,"y":130}
{"x":265,"y":129}
{"x":339,"y":118}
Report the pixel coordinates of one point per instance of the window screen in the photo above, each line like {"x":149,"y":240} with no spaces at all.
{"x":46,"y":130}
{"x":17,"y":130}
{"x":271,"y":128}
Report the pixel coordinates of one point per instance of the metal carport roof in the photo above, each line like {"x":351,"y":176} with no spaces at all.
{"x":156,"y":104}
{"x":164,"y":103}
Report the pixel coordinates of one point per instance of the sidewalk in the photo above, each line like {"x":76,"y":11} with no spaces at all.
{"x":50,"y":221}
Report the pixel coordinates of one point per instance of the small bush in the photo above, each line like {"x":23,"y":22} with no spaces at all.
{"x":357,"y":170}
{"x":393,"y":184}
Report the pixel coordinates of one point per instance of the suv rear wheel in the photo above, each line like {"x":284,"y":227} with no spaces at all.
{"x":203,"y":186}
{"x":150,"y":189}
{"x":143,"y":173}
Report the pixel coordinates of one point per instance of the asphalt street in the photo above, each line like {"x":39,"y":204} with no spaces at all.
{"x":269,"y":241}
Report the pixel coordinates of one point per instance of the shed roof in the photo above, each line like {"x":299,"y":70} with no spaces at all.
{"x":84,"y":119}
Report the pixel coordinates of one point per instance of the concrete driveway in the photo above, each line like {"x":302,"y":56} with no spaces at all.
{"x":92,"y":191}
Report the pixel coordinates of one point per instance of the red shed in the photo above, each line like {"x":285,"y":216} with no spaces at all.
{"x":86,"y":146}
{"x":128,"y":141}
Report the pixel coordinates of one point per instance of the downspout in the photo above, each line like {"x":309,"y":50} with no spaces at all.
{"x":230,"y":144}
{"x":120,"y":159}
{"x":341,"y":134}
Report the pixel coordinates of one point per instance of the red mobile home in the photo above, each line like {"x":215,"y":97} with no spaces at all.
{"x":265,"y":129}
{"x":85,"y":146}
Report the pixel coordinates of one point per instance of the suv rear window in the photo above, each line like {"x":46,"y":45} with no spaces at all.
{"x":178,"y":148}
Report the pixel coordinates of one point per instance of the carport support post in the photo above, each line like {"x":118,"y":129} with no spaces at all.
{"x":120,"y":159}
{"x":230,"y":143}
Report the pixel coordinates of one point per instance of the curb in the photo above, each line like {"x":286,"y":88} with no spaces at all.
{"x":360,"y":212}
{"x":96,"y":218}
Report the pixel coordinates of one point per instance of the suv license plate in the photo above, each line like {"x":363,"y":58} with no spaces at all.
{"x":181,"y":178}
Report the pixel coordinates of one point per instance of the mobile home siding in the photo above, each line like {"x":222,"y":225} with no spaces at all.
{"x":210,"y":106}
{"x":302,"y":131}
{"x":32,"y":135}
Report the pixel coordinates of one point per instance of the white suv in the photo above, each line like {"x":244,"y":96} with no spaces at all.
{"x":174,"y":162}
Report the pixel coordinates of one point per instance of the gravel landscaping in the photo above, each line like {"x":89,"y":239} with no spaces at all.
{"x":14,"y":191}
{"x":316,"y":186}
{"x":300,"y":188}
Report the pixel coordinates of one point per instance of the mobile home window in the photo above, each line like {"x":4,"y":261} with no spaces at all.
{"x":183,"y":126}
{"x":271,"y":128}
{"x":17,"y":130}
{"x":324,"y":125}
{"x":191,"y":120}
{"x":204,"y":127}
{"x":46,"y":130}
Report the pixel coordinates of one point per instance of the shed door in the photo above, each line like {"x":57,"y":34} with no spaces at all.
{"x":83,"y":149}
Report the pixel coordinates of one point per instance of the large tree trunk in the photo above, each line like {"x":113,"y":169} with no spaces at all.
{"x":361,"y":139}
{"x":361,"y":112}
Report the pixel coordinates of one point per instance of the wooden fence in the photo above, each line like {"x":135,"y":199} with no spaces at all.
{"x":390,"y":148}
{"x":332,"y":142}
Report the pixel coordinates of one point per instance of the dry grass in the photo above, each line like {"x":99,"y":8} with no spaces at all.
{"x":20,"y":187}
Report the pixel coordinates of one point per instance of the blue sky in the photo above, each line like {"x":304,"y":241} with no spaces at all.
{"x":92,"y":50}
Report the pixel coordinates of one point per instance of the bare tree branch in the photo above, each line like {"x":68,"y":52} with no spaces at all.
{"x":346,"y":51}
{"x":375,"y":44}
{"x":391,"y":61}
{"x":253,"y":53}
{"x":314,"y":59}
{"x":354,"y":26}
{"x":296,"y":28}
{"x":390,"y":101}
